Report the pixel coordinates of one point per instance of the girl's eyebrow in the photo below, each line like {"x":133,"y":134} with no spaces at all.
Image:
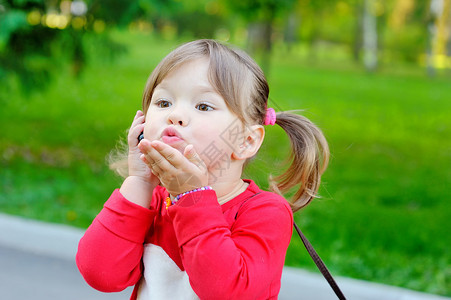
{"x":202,"y":88}
{"x":205,"y":89}
{"x":161,"y":86}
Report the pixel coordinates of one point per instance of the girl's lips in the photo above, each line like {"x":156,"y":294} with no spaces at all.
{"x":170,"y":136}
{"x":171,"y":139}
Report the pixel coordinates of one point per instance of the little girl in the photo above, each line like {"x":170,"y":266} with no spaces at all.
{"x":184,"y":225}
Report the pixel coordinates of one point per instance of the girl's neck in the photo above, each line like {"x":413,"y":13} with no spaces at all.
{"x":227,"y":190}
{"x":228,"y":184}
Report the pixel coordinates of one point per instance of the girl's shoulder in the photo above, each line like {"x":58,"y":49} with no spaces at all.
{"x":267,"y":199}
{"x":263,"y":196}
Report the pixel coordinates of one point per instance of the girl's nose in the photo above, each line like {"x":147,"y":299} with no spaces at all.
{"x":178,"y":117}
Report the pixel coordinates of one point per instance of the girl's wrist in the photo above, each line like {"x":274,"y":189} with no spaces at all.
{"x":138,"y":190}
{"x":204,"y":188}
{"x":179,"y":196}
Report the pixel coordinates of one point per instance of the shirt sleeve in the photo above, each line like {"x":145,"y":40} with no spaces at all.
{"x":241,"y":262}
{"x":109,"y":254}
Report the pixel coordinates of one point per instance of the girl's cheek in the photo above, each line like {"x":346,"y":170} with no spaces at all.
{"x":150,"y":131}
{"x":215,"y":153}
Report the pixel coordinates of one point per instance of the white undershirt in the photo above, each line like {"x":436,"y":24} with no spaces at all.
{"x":162,"y":278}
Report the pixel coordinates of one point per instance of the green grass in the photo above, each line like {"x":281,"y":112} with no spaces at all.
{"x":384,"y":212}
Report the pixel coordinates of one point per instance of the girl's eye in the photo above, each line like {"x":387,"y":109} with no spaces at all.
{"x":163,"y":103}
{"x":204,"y":107}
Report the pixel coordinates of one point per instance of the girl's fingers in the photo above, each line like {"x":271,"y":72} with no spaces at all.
{"x":153,"y":168}
{"x":138,"y":122}
{"x":138,"y":114}
{"x":177,"y":172}
{"x":191,"y":154}
{"x":133,"y":135}
{"x":144,"y":159}
{"x":172,"y":155}
{"x":170,"y":166}
{"x":136,"y":128}
{"x":157,"y":161}
{"x":136,"y":131}
{"x":139,"y":118}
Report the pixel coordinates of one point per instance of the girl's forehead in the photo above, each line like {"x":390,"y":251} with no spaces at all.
{"x":198,"y":64}
{"x":191,"y":77}
{"x":196,"y":70}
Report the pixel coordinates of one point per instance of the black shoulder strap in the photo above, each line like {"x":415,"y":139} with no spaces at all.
{"x":319,"y":263}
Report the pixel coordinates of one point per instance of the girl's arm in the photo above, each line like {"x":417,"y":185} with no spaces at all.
{"x":242,"y":262}
{"x":109,"y":254}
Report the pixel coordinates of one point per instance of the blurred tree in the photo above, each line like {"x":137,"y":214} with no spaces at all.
{"x":21,"y":47}
{"x":260,"y":16}
{"x":312,"y":13}
{"x":292,"y":23}
{"x":406,"y":31}
{"x":329,"y":23}
{"x":158,"y":12}
{"x":393,"y":30}
{"x":448,"y":43}
{"x":357,"y":41}
{"x":37,"y":37}
{"x":197,"y":18}
{"x":200,"y":18}
{"x":370,"y":36}
{"x":439,"y":25}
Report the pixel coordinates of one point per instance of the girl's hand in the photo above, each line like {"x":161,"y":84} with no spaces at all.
{"x":136,"y":167}
{"x":177,"y":172}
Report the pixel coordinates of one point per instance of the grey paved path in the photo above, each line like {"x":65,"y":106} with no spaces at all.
{"x":37,"y":262}
{"x":26,"y":275}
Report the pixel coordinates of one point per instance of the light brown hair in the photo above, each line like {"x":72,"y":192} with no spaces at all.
{"x":242,"y":84}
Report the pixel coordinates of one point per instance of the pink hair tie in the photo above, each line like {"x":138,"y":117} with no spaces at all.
{"x":270,"y":118}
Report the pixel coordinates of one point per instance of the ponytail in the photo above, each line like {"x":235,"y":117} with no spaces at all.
{"x":308,"y":160}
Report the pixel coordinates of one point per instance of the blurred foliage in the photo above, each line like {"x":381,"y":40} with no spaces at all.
{"x":261,"y":16}
{"x":39,"y":38}
{"x":260,"y":10}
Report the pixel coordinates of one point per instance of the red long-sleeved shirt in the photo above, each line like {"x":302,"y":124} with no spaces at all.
{"x":233,"y":251}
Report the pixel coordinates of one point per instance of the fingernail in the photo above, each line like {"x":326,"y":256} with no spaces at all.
{"x":190,"y":150}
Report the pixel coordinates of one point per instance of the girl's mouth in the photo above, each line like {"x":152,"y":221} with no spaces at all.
{"x":171,"y":137}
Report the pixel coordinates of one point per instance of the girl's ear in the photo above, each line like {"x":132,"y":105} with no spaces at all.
{"x":252,"y":141}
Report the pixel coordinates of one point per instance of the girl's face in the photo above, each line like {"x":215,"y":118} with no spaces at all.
{"x":185,"y":109}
